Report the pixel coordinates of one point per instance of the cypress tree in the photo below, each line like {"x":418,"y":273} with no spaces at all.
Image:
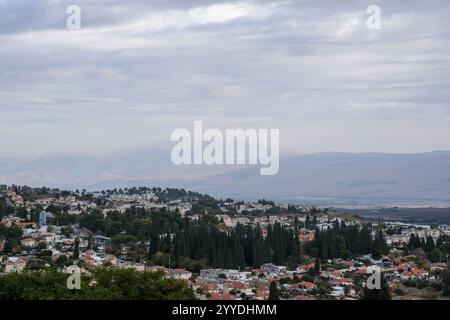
{"x":274,"y":294}
{"x":76,"y":249}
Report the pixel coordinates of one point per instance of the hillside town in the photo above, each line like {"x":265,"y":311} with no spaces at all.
{"x":42,"y":228}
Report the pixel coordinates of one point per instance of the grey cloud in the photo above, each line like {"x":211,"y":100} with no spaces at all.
{"x":305,"y":67}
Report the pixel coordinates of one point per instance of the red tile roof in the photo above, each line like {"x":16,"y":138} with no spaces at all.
{"x":307,"y":285}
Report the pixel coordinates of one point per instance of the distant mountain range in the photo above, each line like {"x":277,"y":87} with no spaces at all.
{"x":339,"y":179}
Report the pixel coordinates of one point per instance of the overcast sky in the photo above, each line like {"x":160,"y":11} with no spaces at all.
{"x":137,"y":70}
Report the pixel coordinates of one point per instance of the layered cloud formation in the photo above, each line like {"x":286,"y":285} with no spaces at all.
{"x":137,"y":70}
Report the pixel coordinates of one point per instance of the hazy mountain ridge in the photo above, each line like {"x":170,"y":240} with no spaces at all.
{"x":372,"y":177}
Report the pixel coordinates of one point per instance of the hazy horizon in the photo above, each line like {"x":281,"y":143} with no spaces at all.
{"x":323,"y":178}
{"x":167,"y":149}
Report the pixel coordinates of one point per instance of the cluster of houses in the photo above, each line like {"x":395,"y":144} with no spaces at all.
{"x":335,"y":278}
{"x":13,"y":199}
{"x":123,"y":202}
{"x":341,"y":277}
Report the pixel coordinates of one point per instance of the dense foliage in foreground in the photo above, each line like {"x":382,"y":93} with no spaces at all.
{"x":102,"y":284}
